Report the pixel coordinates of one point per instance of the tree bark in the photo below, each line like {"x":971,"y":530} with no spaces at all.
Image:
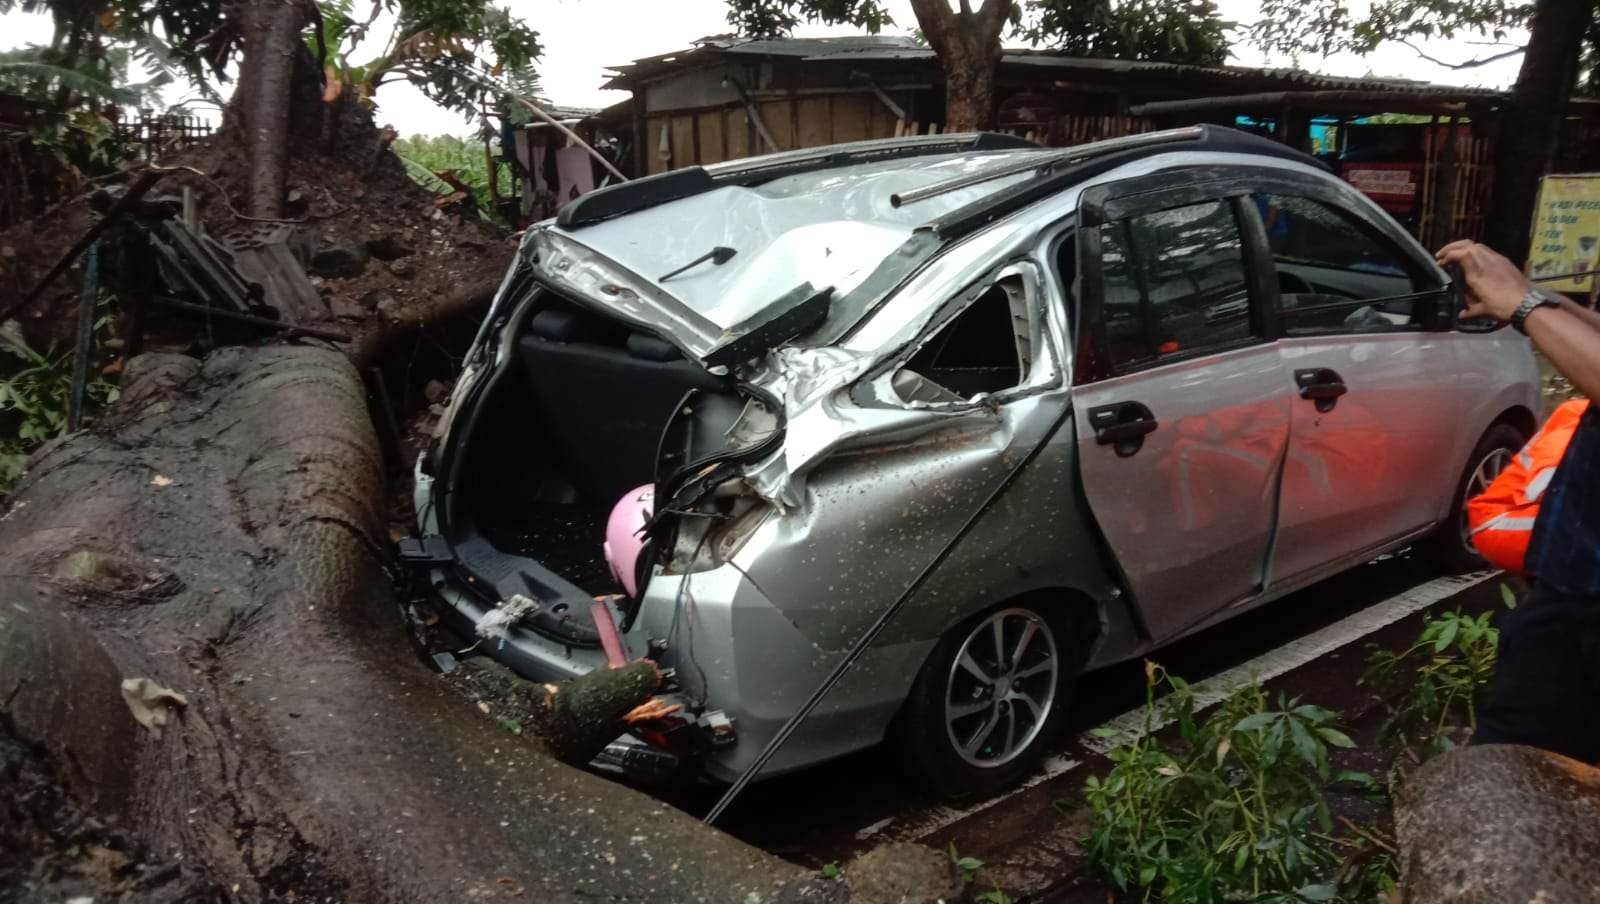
{"x":271,"y":31}
{"x":220,"y":534}
{"x":968,"y":46}
{"x":1494,"y":823}
{"x":1530,"y":125}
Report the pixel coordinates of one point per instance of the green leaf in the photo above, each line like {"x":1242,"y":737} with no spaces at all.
{"x":1363,"y":779}
{"x":1272,"y":744}
{"x":1313,"y":713}
{"x":1507,"y":596}
{"x":1335,"y":737}
{"x":1255,"y":722}
{"x":1305,"y":745}
{"x":1447,"y":634}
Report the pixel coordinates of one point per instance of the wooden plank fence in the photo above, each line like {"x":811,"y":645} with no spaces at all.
{"x":156,"y":135}
{"x":1464,"y":174}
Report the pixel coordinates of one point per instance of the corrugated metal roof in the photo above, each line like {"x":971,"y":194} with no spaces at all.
{"x":892,"y":48}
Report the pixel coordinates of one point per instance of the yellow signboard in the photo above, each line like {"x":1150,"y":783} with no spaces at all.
{"x":1566,"y":231}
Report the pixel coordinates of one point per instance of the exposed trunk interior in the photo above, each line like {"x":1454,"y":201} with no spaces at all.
{"x":558,"y":434}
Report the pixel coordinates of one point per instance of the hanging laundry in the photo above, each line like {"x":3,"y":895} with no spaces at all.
{"x":551,"y":170}
{"x":577,"y":174}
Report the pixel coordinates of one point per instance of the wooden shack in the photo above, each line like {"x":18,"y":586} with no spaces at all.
{"x":727,"y":97}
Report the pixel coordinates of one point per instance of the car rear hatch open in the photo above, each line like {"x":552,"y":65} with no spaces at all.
{"x":565,"y":409}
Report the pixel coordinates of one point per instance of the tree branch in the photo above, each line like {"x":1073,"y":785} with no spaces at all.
{"x":1468,"y":64}
{"x":937,"y":21}
{"x":992,"y":17}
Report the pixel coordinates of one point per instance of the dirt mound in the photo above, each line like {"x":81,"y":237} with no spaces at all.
{"x":373,"y":239}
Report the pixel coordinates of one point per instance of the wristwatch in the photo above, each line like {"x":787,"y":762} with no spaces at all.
{"x":1532,"y":300}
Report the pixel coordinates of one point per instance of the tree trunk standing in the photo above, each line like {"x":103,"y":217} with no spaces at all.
{"x":271,"y":30}
{"x":1530,"y":127}
{"x":969,"y":85}
{"x":968,"y":46}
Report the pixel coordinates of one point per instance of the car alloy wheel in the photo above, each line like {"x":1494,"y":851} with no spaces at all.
{"x":1001,"y":687}
{"x":1488,"y":468}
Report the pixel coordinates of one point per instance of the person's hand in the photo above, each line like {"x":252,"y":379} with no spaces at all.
{"x":1494,"y":286}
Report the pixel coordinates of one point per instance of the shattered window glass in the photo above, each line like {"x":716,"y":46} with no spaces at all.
{"x":987,"y":348}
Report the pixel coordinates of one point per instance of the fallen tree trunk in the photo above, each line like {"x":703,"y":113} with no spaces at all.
{"x":1497,"y":824}
{"x":219,"y":534}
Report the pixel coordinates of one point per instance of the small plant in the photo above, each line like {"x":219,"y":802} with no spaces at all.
{"x":967,"y":866}
{"x":1435,"y":686}
{"x":1236,"y":812}
{"x":33,"y":401}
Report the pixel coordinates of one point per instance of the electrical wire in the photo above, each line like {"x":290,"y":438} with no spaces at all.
{"x":677,"y":612}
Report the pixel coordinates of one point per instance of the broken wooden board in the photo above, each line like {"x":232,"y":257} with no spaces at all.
{"x":287,"y":287}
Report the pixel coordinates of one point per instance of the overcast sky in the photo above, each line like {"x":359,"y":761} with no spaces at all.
{"x":583,"y":37}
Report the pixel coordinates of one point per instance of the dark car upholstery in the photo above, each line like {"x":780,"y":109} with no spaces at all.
{"x":602,"y":394}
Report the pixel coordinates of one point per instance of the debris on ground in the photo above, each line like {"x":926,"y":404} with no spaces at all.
{"x":151,"y":703}
{"x":496,"y":623}
{"x":903,"y":873}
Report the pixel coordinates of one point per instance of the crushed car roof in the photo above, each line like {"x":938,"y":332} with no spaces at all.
{"x":731,"y":256}
{"x":829,"y":227}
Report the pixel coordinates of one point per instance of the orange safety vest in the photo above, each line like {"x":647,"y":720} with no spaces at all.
{"x":1501,"y":517}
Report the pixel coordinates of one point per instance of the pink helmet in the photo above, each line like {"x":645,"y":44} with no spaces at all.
{"x":623,"y":543}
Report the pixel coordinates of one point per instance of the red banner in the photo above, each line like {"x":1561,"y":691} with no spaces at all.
{"x":1394,"y":186}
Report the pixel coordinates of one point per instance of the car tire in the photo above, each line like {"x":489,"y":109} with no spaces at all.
{"x":1449,"y":547}
{"x":930,"y":732}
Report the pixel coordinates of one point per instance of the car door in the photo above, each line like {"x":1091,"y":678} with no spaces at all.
{"x":1182,"y":419}
{"x":1364,"y":350}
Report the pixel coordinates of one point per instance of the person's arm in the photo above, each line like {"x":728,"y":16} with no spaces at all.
{"x":1494,"y":287}
{"x":1571,"y":343}
{"x":1590,"y":318}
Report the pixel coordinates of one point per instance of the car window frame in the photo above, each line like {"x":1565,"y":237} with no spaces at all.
{"x":1435,"y":315}
{"x":1166,"y":190}
{"x":1189,"y":183}
{"x":1045,"y":371}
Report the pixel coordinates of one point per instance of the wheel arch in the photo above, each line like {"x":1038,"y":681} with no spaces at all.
{"x":1518,"y":416}
{"x":1080,"y":615}
{"x":1076,"y":611}
{"x":1078,"y":621}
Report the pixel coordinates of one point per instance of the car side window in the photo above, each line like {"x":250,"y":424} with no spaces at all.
{"x":986,"y":348}
{"x":1336,"y":275}
{"x":1173,"y":284}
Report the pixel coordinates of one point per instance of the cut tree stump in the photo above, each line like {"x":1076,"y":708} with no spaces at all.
{"x":583,"y":715}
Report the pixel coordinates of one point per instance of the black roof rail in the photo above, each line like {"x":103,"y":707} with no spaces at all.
{"x":649,"y":191}
{"x":627,"y":197}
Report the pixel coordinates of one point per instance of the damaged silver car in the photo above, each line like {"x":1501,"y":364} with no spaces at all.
{"x":1049,"y":408}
